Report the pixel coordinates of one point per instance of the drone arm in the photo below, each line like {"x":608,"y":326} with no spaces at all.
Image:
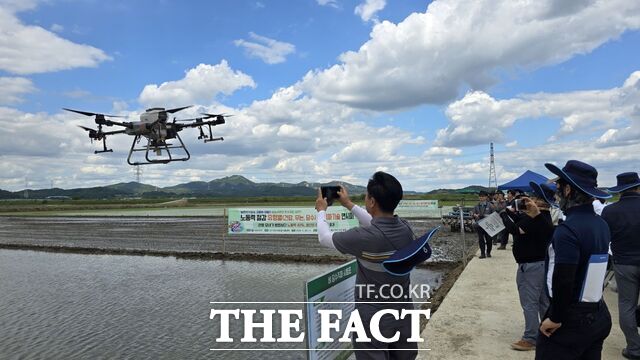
{"x":124,"y":124}
{"x":198,"y":122}
{"x":114,"y":132}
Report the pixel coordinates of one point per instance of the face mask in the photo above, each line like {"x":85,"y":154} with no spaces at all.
{"x":563,"y":202}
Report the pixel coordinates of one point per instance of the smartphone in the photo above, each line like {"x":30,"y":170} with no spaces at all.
{"x":330,"y":193}
{"x":520,"y":205}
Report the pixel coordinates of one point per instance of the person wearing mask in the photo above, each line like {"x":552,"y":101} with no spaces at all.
{"x":480,"y":211}
{"x":532,"y":230}
{"x":623,"y":218}
{"x":577,"y":321}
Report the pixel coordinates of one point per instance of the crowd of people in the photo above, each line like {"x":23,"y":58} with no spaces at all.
{"x":565,"y":238}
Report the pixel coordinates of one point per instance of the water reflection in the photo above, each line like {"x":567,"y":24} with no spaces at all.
{"x":109,"y":306}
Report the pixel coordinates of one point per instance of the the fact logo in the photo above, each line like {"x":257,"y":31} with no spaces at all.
{"x":290,"y":329}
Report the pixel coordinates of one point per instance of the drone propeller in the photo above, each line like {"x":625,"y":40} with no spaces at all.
{"x":93,"y":134}
{"x":207,"y":116}
{"x":86,"y":128}
{"x":87,"y":113}
{"x":171,"y":111}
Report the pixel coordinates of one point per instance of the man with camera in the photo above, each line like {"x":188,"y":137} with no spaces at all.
{"x":379,"y":235}
{"x":531,"y":227}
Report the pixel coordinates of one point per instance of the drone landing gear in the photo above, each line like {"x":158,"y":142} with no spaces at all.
{"x":104,"y":147}
{"x":208,"y":138}
{"x":157,"y":148}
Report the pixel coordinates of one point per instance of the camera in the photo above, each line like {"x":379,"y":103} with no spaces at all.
{"x":520,"y":204}
{"x":330,"y":193}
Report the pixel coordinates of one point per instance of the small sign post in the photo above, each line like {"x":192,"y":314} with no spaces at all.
{"x":331,"y":290}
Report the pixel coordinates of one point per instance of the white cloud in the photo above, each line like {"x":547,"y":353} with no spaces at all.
{"x":478,"y":118}
{"x":511,"y":144}
{"x":332,"y":3}
{"x":200,"y":85}
{"x":28,"y":49}
{"x":268,"y":50}
{"x":312,"y":131}
{"x":289,"y":143}
{"x":99,"y":170}
{"x":77,"y":94}
{"x":288,"y":137}
{"x":13,"y":88}
{"x":57,"y":28}
{"x":429,"y":57}
{"x":368,"y":9}
{"x":18,"y":5}
{"x":39,"y":134}
{"x":608,"y":161}
{"x":443,"y":151}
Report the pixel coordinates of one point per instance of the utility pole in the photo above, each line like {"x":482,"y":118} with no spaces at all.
{"x":26,"y":187}
{"x":493,"y":182}
{"x":138,"y":171}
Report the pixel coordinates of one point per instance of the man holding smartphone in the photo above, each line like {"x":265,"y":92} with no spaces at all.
{"x":379,"y":235}
{"x":532,"y":229}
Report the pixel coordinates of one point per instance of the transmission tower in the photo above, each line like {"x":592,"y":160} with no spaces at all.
{"x":493,"y":182}
{"x":138,"y":171}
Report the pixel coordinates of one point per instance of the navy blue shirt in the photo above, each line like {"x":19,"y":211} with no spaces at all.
{"x":623,"y":218}
{"x":581,"y":240}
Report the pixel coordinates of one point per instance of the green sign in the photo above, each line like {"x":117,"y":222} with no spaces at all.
{"x":286,"y":220}
{"x":331,"y":290}
{"x":418,"y":208}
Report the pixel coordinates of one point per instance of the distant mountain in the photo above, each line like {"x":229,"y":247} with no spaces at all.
{"x":230,"y":186}
{"x":4,"y":194}
{"x":473,"y":189}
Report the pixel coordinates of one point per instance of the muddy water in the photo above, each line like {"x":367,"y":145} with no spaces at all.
{"x":72,"y":306}
{"x":175,"y":234}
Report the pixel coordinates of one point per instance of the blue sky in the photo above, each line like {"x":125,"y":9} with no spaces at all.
{"x":324,"y":89}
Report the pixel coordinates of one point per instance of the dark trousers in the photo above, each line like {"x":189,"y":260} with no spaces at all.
{"x":377,"y":350}
{"x":581,"y":335}
{"x":628,"y":280}
{"x":503,"y":237}
{"x":484,"y":240}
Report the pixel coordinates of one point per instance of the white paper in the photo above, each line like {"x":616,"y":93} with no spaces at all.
{"x":492,"y":224}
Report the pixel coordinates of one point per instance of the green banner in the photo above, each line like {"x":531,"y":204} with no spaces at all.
{"x":417,"y":208}
{"x":276,"y":220}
